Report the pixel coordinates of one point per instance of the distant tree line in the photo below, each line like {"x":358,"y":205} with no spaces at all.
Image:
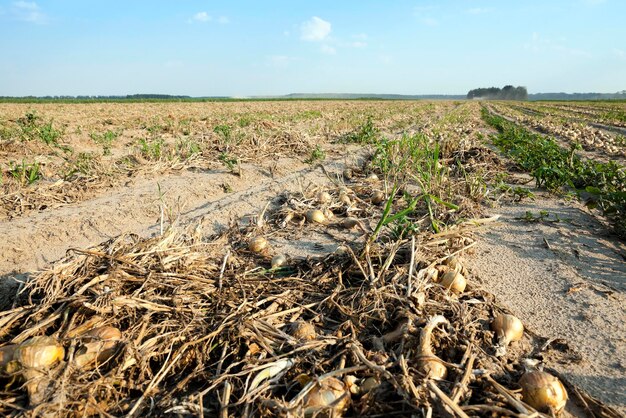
{"x":495,"y":93}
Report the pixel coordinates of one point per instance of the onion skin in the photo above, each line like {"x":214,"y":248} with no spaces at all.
{"x":100,"y":344}
{"x":257,"y":244}
{"x":316,"y":216}
{"x":323,"y":197}
{"x":543,"y":391}
{"x":278,"y":261}
{"x":330,"y":391}
{"x":508,"y":328}
{"x":377,"y":197}
{"x":302,"y":330}
{"x":454,"y":281}
{"x":34,"y":357}
{"x":429,"y":364}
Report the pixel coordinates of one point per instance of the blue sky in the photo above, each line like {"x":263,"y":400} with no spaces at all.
{"x":242,"y":48}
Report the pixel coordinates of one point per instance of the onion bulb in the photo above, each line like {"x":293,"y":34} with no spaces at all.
{"x":349,"y":222}
{"x":100,"y":344}
{"x":315,"y":215}
{"x":372,"y":178}
{"x":257,"y":244}
{"x":543,"y":391}
{"x":345,"y":199}
{"x":347,"y":173}
{"x":323,"y":197}
{"x":302,"y":330}
{"x":428,"y":363}
{"x":35,"y":357}
{"x":330,"y":397}
{"x":454,"y":263}
{"x":377,"y":197}
{"x":508,"y":329}
{"x":279,"y":261}
{"x":454,"y":281}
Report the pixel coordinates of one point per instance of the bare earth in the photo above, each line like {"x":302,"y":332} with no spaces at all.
{"x":565,"y":280}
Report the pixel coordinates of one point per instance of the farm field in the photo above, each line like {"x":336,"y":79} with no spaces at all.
{"x":252,"y":254}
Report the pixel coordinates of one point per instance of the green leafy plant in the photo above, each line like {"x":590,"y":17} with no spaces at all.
{"x":223,"y":130}
{"x":105,"y":139}
{"x":151,"y":149}
{"x":25,"y":173}
{"x":318,"y":154}
{"x":366,"y":133}
{"x":228,"y":160}
{"x":558,"y":169}
{"x":33,"y":128}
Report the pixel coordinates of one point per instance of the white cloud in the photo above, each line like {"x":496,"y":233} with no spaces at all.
{"x":315,"y":29}
{"x":357,"y":44}
{"x":360,"y":36}
{"x":201,"y":17}
{"x":619,"y":53}
{"x":29,"y":12}
{"x":223,"y":20}
{"x":479,"y":10}
{"x":328,"y":50}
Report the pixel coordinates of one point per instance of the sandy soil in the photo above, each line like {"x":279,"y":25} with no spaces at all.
{"x":566,"y":280}
{"x":31,"y":243}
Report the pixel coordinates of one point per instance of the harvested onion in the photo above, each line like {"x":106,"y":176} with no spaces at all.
{"x":377,"y":197}
{"x":100,"y":344}
{"x":454,"y":263}
{"x":315,"y":215}
{"x":323,"y":197}
{"x":329,"y":397}
{"x":349,"y":222}
{"x":34,"y":357}
{"x":508,"y":329}
{"x":302,"y":330}
{"x":372,"y":178}
{"x":543,"y":391}
{"x":279,"y":261}
{"x":428,"y":363}
{"x":347,"y":173}
{"x":454,"y":281}
{"x":257,"y":244}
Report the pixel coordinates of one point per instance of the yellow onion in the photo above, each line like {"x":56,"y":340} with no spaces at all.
{"x":508,"y":329}
{"x":100,"y":344}
{"x":302,"y":330}
{"x":543,"y":391}
{"x":279,"y":261}
{"x":429,"y":364}
{"x":6,"y":355}
{"x":323,"y":197}
{"x":369,"y":384}
{"x":315,"y":215}
{"x":257,"y":244}
{"x":330,"y":397}
{"x":345,"y":199}
{"x":454,"y":263}
{"x":372,"y":178}
{"x":349,"y":222}
{"x":454,"y":281}
{"x":347,"y":173}
{"x":377,"y":197}
{"x":35,"y":357}
{"x":432,"y":273}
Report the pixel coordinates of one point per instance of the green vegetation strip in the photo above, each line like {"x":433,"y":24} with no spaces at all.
{"x":555,"y":168}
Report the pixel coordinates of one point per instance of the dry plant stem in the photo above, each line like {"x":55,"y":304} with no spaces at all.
{"x":225,"y":400}
{"x":461,"y":387}
{"x":512,"y":400}
{"x":446,"y":400}
{"x":409,"y":288}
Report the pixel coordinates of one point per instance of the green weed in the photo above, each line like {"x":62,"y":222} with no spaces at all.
{"x":25,"y":173}
{"x":318,"y":154}
{"x":228,"y":160}
{"x":105,"y":139}
{"x":151,"y":149}
{"x":367,"y":133}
